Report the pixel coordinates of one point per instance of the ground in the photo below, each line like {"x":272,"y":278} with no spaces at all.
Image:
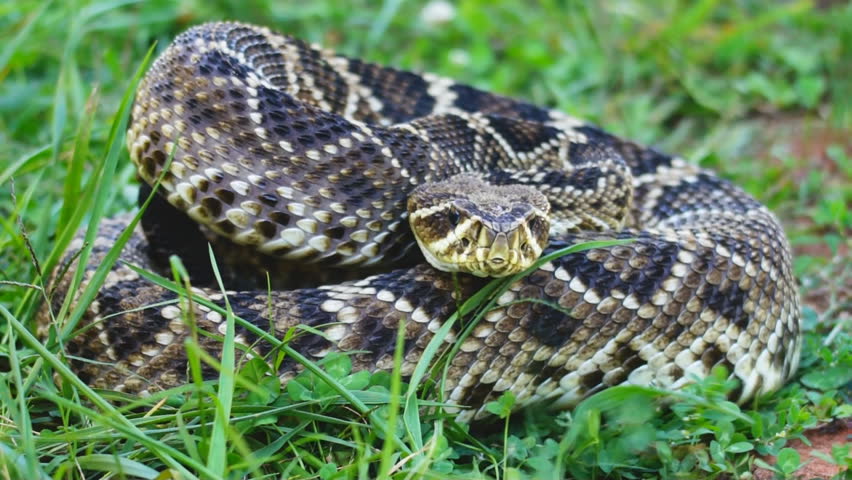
{"x":757,"y":90}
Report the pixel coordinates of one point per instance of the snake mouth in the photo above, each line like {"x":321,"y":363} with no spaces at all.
{"x":484,"y":251}
{"x":481,"y":261}
{"x":498,"y":267}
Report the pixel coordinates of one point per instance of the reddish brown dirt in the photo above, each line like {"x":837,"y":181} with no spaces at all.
{"x":837,"y":432}
{"x":808,"y":138}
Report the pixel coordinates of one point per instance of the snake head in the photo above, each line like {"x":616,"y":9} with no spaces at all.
{"x":465,"y":224}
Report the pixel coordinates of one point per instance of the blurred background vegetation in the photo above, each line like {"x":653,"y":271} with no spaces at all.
{"x":758,"y":90}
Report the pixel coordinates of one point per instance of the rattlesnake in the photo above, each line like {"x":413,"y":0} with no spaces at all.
{"x":311,"y":158}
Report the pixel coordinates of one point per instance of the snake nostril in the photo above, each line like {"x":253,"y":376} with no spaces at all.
{"x":465,"y":242}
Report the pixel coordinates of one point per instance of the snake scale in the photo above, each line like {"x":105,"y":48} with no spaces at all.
{"x":296,"y":160}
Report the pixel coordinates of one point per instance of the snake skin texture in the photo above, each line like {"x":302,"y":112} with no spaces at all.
{"x":308,"y":157}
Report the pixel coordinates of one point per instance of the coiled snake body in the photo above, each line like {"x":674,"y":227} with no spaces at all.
{"x":311,"y":157}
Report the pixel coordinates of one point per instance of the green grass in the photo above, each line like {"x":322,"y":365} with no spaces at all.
{"x":757,"y":90}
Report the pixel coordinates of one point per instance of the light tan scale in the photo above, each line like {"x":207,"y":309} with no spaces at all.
{"x":282,"y":151}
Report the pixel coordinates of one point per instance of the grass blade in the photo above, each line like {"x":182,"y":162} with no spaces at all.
{"x":109,"y":416}
{"x":21,"y":415}
{"x":218,"y":439}
{"x":18,"y":39}
{"x":393,"y":407}
{"x":74,"y":175}
{"x":115,"y":143}
{"x":18,"y":164}
{"x":115,"y":464}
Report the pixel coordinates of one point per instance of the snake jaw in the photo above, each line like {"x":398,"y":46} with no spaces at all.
{"x":495,"y":254}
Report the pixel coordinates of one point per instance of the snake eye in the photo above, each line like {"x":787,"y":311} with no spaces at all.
{"x":453,"y":217}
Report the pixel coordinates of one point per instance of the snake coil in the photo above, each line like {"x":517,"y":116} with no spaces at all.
{"x":309,"y":158}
